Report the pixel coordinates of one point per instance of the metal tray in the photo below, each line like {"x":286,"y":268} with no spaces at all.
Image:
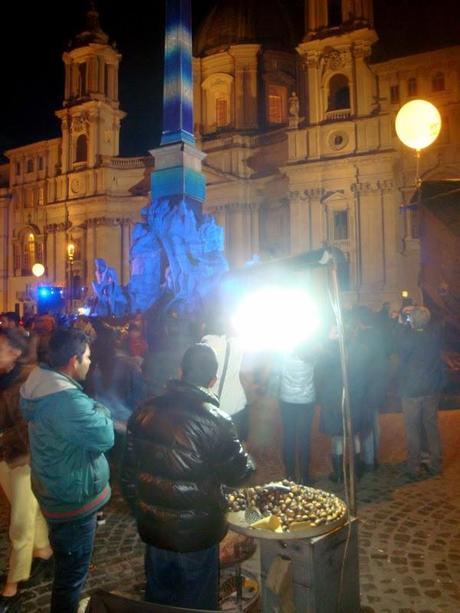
{"x":237,"y":522}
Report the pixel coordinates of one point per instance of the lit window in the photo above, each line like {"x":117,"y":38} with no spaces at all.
{"x":412,"y":87}
{"x":340,"y":225}
{"x":276,"y":104}
{"x":28,"y":254}
{"x":221,"y":112}
{"x":394,"y":94}
{"x":438,"y":82}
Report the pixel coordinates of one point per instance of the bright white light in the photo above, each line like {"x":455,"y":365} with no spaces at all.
{"x":84,"y":310}
{"x":418,"y":124}
{"x":275,"y":318}
{"x":38,"y":269}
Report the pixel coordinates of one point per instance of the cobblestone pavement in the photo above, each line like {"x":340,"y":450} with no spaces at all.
{"x":409,"y":532}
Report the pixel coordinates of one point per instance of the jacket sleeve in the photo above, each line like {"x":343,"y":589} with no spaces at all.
{"x":232,"y":464}
{"x":127,"y":477}
{"x":86,"y":423}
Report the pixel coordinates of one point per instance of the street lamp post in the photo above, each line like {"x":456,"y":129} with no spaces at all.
{"x":70,"y":259}
{"x":38,"y":270}
{"x":418,"y":124}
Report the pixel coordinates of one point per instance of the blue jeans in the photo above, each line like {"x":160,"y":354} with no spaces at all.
{"x":189,"y":580}
{"x":72,"y":543}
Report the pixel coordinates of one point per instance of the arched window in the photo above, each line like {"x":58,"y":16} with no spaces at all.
{"x":217,"y":111}
{"x":277,"y":104}
{"x":81,"y":153}
{"x":438,"y":82}
{"x":339,"y":93}
{"x":28,"y":252}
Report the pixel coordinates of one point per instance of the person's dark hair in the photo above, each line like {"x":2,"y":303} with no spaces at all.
{"x":12,"y":316}
{"x":199,"y":365}
{"x":64,"y":344}
{"x":17,"y":339}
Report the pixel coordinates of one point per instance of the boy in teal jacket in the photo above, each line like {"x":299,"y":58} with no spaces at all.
{"x":69,"y":433}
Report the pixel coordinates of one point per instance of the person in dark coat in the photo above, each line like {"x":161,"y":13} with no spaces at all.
{"x":369,"y":337}
{"x":180,"y":450}
{"x":421,"y":381}
{"x":329,"y":389}
{"x":30,"y":552}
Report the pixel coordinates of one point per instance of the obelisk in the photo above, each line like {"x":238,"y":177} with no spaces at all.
{"x":177,"y":174}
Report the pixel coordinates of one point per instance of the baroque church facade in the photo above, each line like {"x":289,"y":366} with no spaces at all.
{"x":69,"y":200}
{"x":300,"y":139}
{"x":300,"y":146}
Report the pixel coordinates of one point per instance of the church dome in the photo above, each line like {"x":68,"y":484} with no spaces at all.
{"x":233,"y":22}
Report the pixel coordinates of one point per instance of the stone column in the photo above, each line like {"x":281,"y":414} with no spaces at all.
{"x":255,"y":230}
{"x":372,"y":239}
{"x":65,"y":156}
{"x":68,"y":81}
{"x":310,"y":65}
{"x":365,"y":79}
{"x":93,"y":140}
{"x":239,"y":241}
{"x":60,"y":257}
{"x":314,"y":213}
{"x":90,"y":251}
{"x":390,"y":214}
{"x":299,"y":222}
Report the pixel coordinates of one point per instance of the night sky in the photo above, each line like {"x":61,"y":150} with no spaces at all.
{"x":35,"y":34}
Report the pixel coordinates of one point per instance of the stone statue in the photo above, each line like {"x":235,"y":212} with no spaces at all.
{"x":191,"y":252}
{"x":144,"y":285}
{"x":294,"y":110}
{"x":108,"y":295}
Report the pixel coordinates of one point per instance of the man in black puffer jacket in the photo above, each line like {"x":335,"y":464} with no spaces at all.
{"x":180,"y":450}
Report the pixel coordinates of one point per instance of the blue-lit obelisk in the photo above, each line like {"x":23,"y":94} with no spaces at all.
{"x":177,"y":160}
{"x":174,"y":229}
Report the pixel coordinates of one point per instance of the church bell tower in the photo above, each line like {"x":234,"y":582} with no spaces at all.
{"x":90,"y":117}
{"x":335,"y":50}
{"x":322,"y":15}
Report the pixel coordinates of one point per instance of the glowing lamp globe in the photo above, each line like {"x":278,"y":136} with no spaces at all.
{"x":418,"y":124}
{"x":38,"y":269}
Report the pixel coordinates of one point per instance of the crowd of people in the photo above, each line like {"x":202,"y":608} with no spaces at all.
{"x":172,"y":420}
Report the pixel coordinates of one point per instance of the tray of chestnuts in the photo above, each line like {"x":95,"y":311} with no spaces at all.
{"x":284,"y":510}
